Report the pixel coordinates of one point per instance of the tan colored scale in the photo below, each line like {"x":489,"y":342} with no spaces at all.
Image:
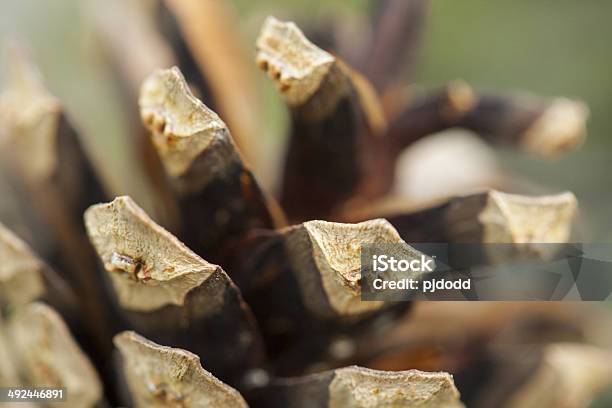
{"x":560,"y":129}
{"x":333,"y":252}
{"x":523,"y":219}
{"x":21,"y":279}
{"x":30,"y":116}
{"x":359,"y":387}
{"x":569,"y":375}
{"x":182,"y":127}
{"x":297,"y":66}
{"x":160,"y":376}
{"x":48,"y":356}
{"x":149,"y":267}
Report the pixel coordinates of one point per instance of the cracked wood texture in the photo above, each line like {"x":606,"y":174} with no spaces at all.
{"x":160,"y":376}
{"x":218,"y":195}
{"x":358,"y":387}
{"x":170,"y":294}
{"x":335,"y":117}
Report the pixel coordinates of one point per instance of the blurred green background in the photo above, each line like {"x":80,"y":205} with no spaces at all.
{"x":549,"y":47}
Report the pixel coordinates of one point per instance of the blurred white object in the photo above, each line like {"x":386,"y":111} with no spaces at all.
{"x":444,"y":164}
